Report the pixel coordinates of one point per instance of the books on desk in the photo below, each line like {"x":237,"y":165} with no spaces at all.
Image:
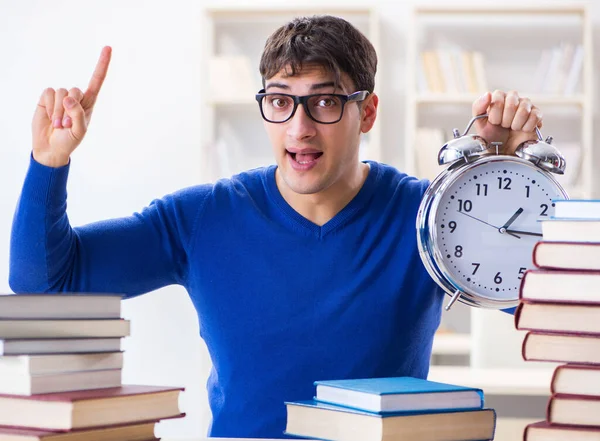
{"x":560,"y":308}
{"x":60,"y":373}
{"x":422,"y":411}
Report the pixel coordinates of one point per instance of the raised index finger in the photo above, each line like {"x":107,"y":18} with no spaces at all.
{"x":89,"y":97}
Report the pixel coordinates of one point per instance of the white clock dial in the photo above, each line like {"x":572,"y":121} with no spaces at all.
{"x":486,"y":225}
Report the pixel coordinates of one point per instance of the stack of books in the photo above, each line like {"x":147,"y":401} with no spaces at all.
{"x":377,"y":409}
{"x":560,"y":308}
{"x":60,"y":372}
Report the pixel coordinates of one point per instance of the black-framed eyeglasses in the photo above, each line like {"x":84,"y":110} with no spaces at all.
{"x":324,"y":108}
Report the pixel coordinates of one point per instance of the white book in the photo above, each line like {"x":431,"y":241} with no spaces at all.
{"x":60,"y":306}
{"x":26,"y":365}
{"x":63,"y":328}
{"x":59,"y":382}
{"x":58,"y":346}
{"x":577,"y":209}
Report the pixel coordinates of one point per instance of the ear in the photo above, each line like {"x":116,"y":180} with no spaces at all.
{"x":368,"y":113}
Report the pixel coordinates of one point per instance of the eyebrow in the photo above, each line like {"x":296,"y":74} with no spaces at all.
{"x":316,"y":86}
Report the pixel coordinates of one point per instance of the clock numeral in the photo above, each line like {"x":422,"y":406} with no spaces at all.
{"x":452,"y":226}
{"x":476,"y":265}
{"x":521,"y":272}
{"x":479,"y":187}
{"x":527,"y":187}
{"x":465,"y":205}
{"x":504,"y":183}
{"x":497,"y":279}
{"x":544,"y":208}
{"x":458,"y":251}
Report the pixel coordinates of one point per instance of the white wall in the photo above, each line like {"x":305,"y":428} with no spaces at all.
{"x":143,"y":142}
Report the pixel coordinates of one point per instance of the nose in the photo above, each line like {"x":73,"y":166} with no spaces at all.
{"x":300,"y":126}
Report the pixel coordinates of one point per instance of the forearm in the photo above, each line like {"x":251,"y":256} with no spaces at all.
{"x":130,"y":255}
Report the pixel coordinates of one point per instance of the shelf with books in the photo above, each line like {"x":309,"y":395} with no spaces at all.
{"x":234,"y":37}
{"x":454,"y":54}
{"x":447,"y":98}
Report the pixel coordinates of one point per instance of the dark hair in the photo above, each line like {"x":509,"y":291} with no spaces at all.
{"x":328,"y":41}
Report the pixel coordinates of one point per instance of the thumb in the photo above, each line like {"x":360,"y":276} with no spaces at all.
{"x":481,"y":104}
{"x":75,"y":112}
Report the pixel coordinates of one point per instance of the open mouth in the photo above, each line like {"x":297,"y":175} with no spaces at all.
{"x":305,"y":158}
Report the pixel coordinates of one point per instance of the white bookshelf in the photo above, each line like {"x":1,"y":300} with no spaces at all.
{"x":511,"y":40}
{"x":233,"y":136}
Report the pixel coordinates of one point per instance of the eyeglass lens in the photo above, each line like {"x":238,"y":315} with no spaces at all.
{"x":323,"y":108}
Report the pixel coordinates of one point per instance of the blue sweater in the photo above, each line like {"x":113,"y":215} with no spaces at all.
{"x":281,"y":301}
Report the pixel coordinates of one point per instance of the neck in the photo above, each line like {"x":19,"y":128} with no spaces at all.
{"x":321,"y":207}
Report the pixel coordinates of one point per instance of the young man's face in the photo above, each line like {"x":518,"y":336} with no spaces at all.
{"x":311,"y":157}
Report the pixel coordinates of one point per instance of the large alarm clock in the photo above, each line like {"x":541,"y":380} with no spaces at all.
{"x":479,"y":219}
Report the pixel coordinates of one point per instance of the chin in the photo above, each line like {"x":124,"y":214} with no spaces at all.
{"x":303,"y":184}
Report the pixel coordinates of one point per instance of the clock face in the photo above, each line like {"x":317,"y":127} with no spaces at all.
{"x":486,"y":226}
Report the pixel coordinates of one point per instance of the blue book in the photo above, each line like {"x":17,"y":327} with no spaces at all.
{"x":397,"y":394}
{"x":312,"y":419}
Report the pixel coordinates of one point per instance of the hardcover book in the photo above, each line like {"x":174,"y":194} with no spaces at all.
{"x":320,"y":420}
{"x":91,"y":408}
{"x":63,"y":306}
{"x":398,"y":394}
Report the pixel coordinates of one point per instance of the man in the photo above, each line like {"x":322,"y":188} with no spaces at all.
{"x":303,"y":271}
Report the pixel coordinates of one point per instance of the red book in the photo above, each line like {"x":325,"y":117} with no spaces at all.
{"x":567,"y":255}
{"x":565,"y":348}
{"x":562,"y":286}
{"x":557,"y":317}
{"x":574,"y":410}
{"x":544,"y":431}
{"x":573,"y":379}
{"x":91,"y":408}
{"x":129,"y":432}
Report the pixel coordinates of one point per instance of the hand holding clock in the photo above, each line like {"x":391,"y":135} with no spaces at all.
{"x":511,"y":119}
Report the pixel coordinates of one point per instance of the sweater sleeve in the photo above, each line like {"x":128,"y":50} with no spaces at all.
{"x":130,"y":255}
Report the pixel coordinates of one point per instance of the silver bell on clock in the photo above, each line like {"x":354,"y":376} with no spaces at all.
{"x":478,"y":221}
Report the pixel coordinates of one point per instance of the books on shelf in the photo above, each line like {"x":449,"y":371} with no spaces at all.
{"x":398,"y":394}
{"x":379,"y":409}
{"x":451,"y":70}
{"x":560,"y":306}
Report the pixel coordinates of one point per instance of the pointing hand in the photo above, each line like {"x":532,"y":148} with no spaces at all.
{"x":62,"y":117}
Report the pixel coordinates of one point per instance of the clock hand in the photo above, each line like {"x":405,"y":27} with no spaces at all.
{"x":527,"y":233}
{"x":484,"y":222}
{"x":514,"y":217}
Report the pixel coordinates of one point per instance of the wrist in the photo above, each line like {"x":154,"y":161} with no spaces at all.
{"x":53,"y":161}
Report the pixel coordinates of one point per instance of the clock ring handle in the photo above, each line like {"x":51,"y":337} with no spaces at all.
{"x":485,"y":115}
{"x":475,"y":118}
